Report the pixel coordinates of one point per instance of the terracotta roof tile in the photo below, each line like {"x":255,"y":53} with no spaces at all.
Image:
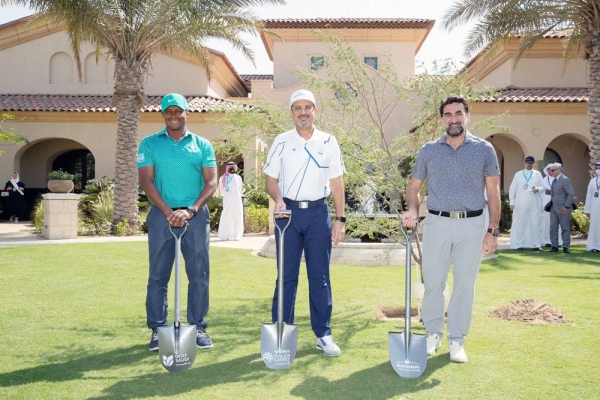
{"x":91,"y":103}
{"x":511,"y":94}
{"x":348,"y":23}
{"x":257,"y":77}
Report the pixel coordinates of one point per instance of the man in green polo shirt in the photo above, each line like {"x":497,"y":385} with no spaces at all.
{"x":178,"y":171}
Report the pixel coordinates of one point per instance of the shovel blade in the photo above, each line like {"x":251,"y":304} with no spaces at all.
{"x":408,"y":353}
{"x":278,"y":356}
{"x":177,"y":347}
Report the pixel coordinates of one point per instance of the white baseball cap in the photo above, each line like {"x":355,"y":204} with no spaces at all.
{"x":302,"y":94}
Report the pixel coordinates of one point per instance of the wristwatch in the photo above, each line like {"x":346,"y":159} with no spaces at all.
{"x":494,"y":231}
{"x":192,"y":210}
{"x":341,"y":219}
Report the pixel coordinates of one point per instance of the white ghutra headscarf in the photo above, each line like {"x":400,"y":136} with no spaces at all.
{"x":15,"y":183}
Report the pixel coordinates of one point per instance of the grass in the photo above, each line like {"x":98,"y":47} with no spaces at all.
{"x":73,"y":327}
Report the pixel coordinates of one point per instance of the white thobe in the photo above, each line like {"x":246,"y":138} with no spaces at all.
{"x":592,"y":207}
{"x":526,"y":228}
{"x":231,"y":224}
{"x":546,"y":219}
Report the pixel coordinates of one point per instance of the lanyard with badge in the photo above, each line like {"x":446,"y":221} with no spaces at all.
{"x":526,"y":186}
{"x":597,"y":188}
{"x":228,"y":179}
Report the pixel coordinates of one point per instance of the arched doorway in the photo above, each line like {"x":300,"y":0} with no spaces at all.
{"x":80,"y":163}
{"x":550,"y":157}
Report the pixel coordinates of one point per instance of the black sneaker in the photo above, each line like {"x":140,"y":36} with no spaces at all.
{"x":202,"y":340}
{"x":153,"y":346}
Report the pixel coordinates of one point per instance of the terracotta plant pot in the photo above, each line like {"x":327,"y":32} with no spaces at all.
{"x":60,"y":186}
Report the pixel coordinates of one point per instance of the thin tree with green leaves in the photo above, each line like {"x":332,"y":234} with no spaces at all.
{"x":9,"y":136}
{"x":131,"y":32}
{"x":497,"y":21}
{"x":356,"y":104}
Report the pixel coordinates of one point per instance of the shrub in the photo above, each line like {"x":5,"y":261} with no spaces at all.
{"x":215,"y":207}
{"x":580,"y":220}
{"x":60,"y":175}
{"x":122,"y":227}
{"x":505,"y":214}
{"x":37,"y":215}
{"x":256,"y":219}
{"x":371,"y":229}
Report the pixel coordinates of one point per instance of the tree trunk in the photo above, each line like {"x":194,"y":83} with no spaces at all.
{"x":594,"y":102}
{"x":128,"y":97}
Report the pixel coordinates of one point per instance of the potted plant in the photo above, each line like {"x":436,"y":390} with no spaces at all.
{"x":60,"y":181}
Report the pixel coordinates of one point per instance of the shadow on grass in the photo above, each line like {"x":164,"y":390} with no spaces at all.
{"x":381,"y":382}
{"x":165,"y":384}
{"x":74,"y":368}
{"x":378,"y":382}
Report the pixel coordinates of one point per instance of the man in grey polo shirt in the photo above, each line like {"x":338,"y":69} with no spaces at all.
{"x":458,"y":167}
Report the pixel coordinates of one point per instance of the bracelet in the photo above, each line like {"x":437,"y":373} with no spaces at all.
{"x":341,"y":219}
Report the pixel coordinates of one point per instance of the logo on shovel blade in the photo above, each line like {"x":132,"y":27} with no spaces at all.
{"x":267,"y":357}
{"x":167,"y":361}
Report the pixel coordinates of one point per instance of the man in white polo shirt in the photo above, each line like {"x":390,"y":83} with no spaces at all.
{"x":303,"y":167}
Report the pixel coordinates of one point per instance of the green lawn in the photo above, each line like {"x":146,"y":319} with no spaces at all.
{"x":72,"y":326}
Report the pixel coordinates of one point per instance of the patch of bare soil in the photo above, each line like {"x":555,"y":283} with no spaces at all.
{"x":395,"y":313}
{"x":530,"y":311}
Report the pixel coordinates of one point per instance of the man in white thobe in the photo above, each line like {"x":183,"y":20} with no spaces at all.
{"x":592,"y":210}
{"x":525,"y":196}
{"x":231,"y":224}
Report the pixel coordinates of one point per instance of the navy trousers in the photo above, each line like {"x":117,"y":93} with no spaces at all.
{"x":194,"y":247}
{"x":309,"y":231}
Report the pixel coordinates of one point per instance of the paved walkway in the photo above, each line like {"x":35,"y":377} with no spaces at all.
{"x":23,"y":233}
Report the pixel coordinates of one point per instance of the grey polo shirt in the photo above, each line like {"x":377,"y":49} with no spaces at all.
{"x":456,"y":178}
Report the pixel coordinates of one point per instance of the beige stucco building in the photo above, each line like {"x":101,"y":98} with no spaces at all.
{"x":71,"y":124}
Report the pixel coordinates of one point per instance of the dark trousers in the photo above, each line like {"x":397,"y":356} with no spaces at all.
{"x":309,"y":231}
{"x":194,"y":247}
{"x":564,"y":221}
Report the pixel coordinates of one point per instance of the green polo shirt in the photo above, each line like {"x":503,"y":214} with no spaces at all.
{"x":177,"y":165}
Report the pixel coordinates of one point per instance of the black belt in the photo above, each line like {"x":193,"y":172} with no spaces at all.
{"x":179,"y":208}
{"x":457,"y":214}
{"x":305,"y":204}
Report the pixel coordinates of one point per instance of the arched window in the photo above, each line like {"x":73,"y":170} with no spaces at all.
{"x":61,"y":69}
{"x":95,"y":73}
{"x":80,"y":163}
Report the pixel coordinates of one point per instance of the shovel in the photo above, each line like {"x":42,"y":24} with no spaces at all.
{"x":177,"y":343}
{"x":408,"y":351}
{"x":279,"y":340}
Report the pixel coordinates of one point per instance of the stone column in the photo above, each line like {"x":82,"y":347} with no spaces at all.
{"x":60,"y":215}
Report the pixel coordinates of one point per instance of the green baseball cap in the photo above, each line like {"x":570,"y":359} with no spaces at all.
{"x":174,"y":99}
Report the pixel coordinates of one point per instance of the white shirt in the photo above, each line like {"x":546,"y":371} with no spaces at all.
{"x":304,"y":168}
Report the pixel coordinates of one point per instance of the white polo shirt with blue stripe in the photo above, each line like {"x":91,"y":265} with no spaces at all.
{"x":304,"y":168}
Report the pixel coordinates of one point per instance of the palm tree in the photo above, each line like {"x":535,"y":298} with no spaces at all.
{"x":131,"y":32}
{"x":499,"y":20}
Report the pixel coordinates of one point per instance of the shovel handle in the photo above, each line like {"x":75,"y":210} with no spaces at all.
{"x":185,"y":228}
{"x":410,"y":233}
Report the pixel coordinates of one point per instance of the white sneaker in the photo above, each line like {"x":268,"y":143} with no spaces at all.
{"x":328,"y":346}
{"x":457,"y":353}
{"x":434,"y":342}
